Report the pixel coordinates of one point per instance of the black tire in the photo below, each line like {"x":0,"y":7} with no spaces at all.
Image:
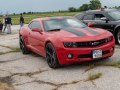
{"x":51,"y":56}
{"x":23,"y":46}
{"x":118,"y":37}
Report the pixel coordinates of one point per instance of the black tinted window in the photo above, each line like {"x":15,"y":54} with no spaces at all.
{"x":88,"y":17}
{"x":34,"y":24}
{"x":99,"y":16}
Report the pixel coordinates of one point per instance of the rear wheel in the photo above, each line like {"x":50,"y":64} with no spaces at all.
{"x":118,"y":37}
{"x":51,"y":56}
{"x":23,"y":46}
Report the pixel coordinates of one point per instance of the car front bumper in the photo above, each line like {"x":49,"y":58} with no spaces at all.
{"x":83,"y":54}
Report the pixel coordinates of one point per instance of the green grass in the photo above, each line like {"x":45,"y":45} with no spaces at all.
{"x":29,"y":17}
{"x":12,"y":50}
{"x":90,"y":67}
{"x":5,"y":86}
{"x":6,"y":83}
{"x":94,"y":76}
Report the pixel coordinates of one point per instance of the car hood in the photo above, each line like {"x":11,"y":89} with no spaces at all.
{"x":80,"y":34}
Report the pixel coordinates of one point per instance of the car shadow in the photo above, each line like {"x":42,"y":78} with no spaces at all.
{"x":77,"y":64}
{"x":86,"y":63}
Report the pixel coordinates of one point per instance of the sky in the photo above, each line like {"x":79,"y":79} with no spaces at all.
{"x":18,"y":6}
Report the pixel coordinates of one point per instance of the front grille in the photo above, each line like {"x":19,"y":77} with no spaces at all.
{"x":85,"y":56}
{"x":91,"y":43}
{"x":106,"y":52}
{"x":90,"y":55}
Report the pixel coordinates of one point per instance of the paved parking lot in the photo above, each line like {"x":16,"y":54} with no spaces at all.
{"x":31,"y":72}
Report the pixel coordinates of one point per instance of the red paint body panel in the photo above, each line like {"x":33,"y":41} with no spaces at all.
{"x":36,"y":41}
{"x":63,"y":52}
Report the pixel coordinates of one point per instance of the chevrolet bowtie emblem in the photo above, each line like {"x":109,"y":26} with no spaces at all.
{"x":95,"y":43}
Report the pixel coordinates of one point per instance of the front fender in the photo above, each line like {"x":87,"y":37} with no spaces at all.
{"x":57,"y":43}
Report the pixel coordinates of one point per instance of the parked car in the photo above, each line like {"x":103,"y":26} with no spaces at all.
{"x":108,"y":19}
{"x":65,"y":40}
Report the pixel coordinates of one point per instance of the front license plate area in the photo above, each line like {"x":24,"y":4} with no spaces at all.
{"x":96,"y":54}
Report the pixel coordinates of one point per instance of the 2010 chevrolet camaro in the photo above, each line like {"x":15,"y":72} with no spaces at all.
{"x":65,"y":40}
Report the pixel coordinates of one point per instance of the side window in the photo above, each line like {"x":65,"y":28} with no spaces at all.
{"x":88,"y":17}
{"x":98,"y":16}
{"x":34,"y":24}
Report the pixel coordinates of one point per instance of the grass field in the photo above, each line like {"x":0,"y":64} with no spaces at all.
{"x":29,"y":17}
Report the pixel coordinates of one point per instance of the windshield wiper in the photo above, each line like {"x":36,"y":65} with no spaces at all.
{"x":58,"y":29}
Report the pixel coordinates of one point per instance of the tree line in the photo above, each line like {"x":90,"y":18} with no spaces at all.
{"x":93,"y":4}
{"x":117,"y":7}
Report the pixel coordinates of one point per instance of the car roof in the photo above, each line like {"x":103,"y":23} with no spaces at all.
{"x":100,"y":11}
{"x":92,"y":12}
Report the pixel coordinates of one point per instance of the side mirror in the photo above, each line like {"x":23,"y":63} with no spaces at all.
{"x":36,"y":30}
{"x":105,"y":19}
{"x":90,"y":24}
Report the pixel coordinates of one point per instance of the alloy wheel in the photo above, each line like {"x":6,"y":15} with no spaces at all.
{"x":51,"y":56}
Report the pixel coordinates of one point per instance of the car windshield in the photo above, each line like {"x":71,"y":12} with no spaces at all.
{"x":115,"y":15}
{"x":62,"y":23}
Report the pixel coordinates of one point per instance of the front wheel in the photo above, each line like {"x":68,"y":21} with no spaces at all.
{"x":51,"y":56}
{"x":23,"y":46}
{"x":118,"y":37}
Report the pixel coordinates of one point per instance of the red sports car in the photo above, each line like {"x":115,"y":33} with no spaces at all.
{"x":65,"y":40}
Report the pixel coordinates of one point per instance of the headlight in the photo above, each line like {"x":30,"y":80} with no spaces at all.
{"x":70,"y":44}
{"x":109,"y":38}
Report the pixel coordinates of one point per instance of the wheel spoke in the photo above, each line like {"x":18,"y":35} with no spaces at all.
{"x":50,"y":55}
{"x":51,"y":61}
{"x":53,"y":56}
{"x":48,"y":59}
{"x":22,"y":45}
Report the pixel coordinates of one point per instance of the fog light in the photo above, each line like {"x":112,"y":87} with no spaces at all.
{"x":70,"y":56}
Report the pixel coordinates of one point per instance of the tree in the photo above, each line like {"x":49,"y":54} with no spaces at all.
{"x":117,"y":7}
{"x":95,"y":4}
{"x":29,"y":12}
{"x":24,"y":12}
{"x":84,"y":7}
{"x":14,"y":14}
{"x":72,"y":9}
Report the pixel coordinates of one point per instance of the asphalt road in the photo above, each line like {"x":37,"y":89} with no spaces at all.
{"x":31,"y":72}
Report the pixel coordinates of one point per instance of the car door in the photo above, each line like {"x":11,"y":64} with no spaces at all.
{"x":99,"y":23}
{"x":36,"y":38}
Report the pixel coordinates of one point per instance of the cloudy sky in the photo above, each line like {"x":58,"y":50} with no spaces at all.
{"x":17,"y":6}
